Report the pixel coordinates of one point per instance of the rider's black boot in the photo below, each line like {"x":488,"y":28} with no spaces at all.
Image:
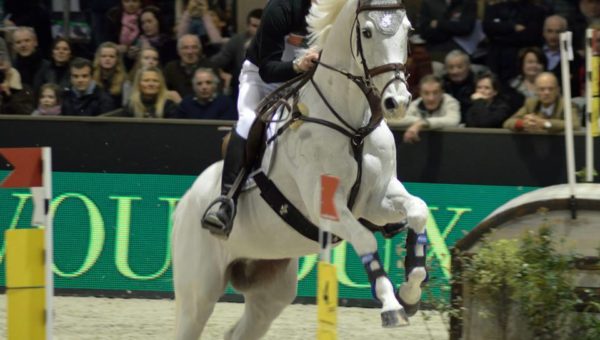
{"x":220,"y":221}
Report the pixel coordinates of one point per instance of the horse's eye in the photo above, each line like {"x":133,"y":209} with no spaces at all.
{"x":366,"y":32}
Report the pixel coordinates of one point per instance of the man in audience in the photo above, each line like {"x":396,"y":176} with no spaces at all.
{"x":433,"y":110}
{"x":442,"y":21}
{"x":545,"y":112}
{"x":28,"y":61}
{"x":179,"y":73}
{"x":206,"y":103}
{"x":233,"y":53}
{"x":459,"y":80}
{"x":84,"y":98}
{"x":554,"y":25}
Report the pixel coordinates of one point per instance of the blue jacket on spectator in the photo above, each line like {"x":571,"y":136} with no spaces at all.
{"x":221,"y":107}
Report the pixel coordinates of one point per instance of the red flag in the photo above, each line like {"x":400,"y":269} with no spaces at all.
{"x":329,"y":185}
{"x":27,"y":164}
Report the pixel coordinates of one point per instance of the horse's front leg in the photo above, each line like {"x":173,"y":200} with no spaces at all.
{"x":365,"y":245}
{"x":398,"y":205}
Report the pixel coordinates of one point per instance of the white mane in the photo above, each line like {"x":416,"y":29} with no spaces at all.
{"x":321,"y":17}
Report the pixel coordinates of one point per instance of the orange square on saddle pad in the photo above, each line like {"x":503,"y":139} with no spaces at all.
{"x":329,"y":185}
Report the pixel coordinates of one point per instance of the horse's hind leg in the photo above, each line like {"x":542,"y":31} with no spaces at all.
{"x":265,"y":300}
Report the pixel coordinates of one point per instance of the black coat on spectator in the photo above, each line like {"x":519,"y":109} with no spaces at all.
{"x":92,"y":103}
{"x":454,"y":18}
{"x":19,"y":102}
{"x":58,"y":74}
{"x":221,"y":107}
{"x":499,"y":26}
{"x":33,"y":70}
{"x":485,"y":114}
{"x":179,"y":77}
{"x":168,"y":110}
{"x":461,"y":91}
{"x":34,"y":14}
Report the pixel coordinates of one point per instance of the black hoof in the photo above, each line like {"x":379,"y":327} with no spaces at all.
{"x":409,"y":309}
{"x":394,"y":318}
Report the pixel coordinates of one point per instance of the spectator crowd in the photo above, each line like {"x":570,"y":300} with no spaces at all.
{"x":473,"y":63}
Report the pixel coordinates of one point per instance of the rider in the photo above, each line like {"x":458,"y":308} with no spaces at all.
{"x":276,"y":54}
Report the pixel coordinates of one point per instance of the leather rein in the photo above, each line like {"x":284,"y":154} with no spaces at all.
{"x":269,"y":106}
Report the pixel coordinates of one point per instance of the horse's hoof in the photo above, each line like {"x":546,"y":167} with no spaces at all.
{"x":409,"y":309}
{"x":394,"y":318}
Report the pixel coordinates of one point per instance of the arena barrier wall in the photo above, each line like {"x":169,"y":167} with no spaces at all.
{"x":116,"y":181}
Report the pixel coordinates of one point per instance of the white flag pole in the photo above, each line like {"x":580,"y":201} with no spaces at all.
{"x":48,"y":238}
{"x":566,"y":55}
{"x":589,"y":142}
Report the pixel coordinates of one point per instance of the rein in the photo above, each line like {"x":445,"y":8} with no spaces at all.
{"x":273,"y":102}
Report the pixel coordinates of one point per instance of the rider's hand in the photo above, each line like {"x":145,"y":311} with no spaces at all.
{"x":307,"y":61}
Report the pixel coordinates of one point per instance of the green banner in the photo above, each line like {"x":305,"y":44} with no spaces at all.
{"x":112,"y":232}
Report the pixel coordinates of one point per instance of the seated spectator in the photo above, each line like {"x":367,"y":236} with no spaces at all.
{"x":510,"y":26}
{"x":109,"y":71}
{"x":231,"y":57}
{"x":489,"y":108}
{"x":123,"y":23}
{"x":179,"y":73}
{"x":153,"y":33}
{"x":459,"y":80}
{"x":554,"y":25}
{"x":418,"y":64}
{"x":148,"y":57}
{"x":34,"y":14}
{"x":28,"y":61}
{"x":206,"y":103}
{"x":149,"y":96}
{"x":14,"y":97}
{"x":83,"y":97}
{"x":545,"y":112}
{"x":58,"y":72}
{"x":49,"y":103}
{"x":433,"y":110}
{"x":532,"y":61}
{"x":441,"y":21}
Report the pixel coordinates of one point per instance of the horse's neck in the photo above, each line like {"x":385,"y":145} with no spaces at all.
{"x":341,"y":93}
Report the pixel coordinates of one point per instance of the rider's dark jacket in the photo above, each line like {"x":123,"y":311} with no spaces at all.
{"x":280,"y":18}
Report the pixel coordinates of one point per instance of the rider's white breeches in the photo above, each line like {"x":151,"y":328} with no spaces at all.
{"x":252,"y":90}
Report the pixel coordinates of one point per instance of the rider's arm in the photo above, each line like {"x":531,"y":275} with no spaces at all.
{"x":276,"y":23}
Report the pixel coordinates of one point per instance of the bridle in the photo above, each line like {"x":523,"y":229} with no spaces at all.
{"x":365,"y":82}
{"x":270,"y":105}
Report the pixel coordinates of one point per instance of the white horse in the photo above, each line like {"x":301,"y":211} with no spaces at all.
{"x":260,"y":258}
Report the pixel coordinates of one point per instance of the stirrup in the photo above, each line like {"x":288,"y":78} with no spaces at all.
{"x":214,"y":224}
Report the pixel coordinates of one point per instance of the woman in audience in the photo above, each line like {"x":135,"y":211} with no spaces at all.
{"x":123,"y":23}
{"x":532,"y":61}
{"x":489,"y":109}
{"x":148,"y":57}
{"x":149,"y":96}
{"x":199,"y":20}
{"x":153,"y":34}
{"x":58,"y":73}
{"x":49,"y":103}
{"x":109,"y":71}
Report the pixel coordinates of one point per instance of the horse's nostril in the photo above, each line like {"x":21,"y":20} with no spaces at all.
{"x":390,"y":104}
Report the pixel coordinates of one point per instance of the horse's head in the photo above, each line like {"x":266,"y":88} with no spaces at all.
{"x":375,"y":32}
{"x":380,"y":41}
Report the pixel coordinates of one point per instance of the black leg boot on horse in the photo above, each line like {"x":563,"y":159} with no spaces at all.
{"x":220,"y":221}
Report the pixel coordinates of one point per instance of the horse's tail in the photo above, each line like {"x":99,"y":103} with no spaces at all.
{"x":245,"y":274}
